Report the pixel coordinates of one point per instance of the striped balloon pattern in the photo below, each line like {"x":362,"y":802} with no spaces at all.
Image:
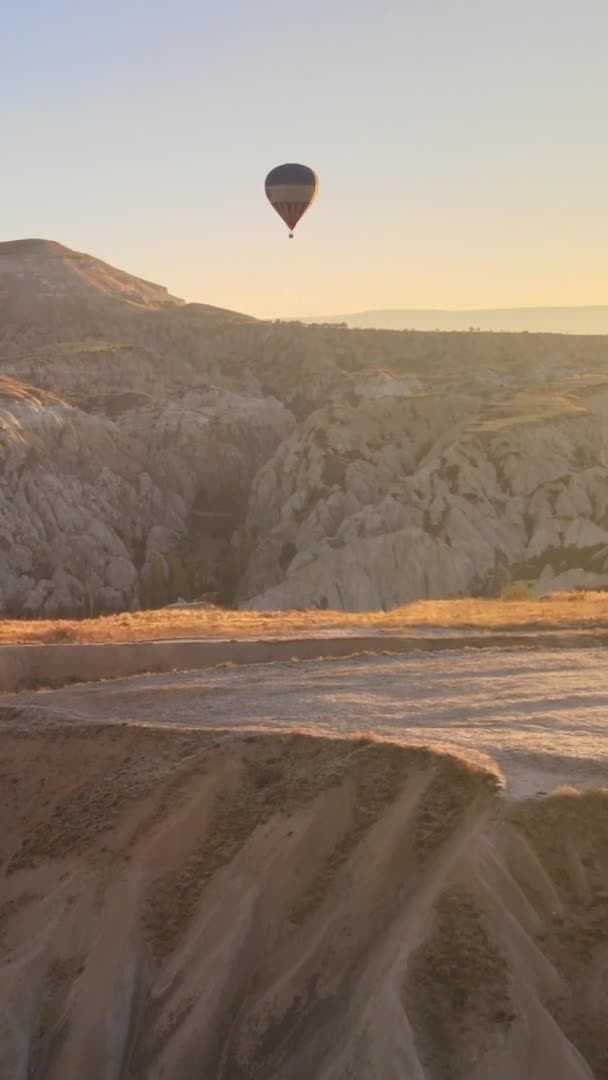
{"x":291,"y":189}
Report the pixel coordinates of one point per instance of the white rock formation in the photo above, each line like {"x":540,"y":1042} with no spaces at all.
{"x":153,"y":450}
{"x":90,"y":506}
{"x":478,"y":508}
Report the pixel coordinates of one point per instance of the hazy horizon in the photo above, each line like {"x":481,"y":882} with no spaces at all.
{"x":458,"y":148}
{"x":562,"y":319}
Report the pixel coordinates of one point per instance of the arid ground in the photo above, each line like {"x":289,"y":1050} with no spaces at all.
{"x":364,"y":866}
{"x":303,"y":838}
{"x":577,"y":610}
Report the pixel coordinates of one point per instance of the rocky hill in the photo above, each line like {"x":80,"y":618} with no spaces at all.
{"x":153,"y":450}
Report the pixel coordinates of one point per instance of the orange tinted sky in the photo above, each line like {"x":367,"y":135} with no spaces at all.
{"x":460,"y":144}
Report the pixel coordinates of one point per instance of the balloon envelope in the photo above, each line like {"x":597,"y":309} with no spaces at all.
{"x":290,"y":189}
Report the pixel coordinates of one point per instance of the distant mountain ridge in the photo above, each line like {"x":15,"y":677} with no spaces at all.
{"x":591,"y":319}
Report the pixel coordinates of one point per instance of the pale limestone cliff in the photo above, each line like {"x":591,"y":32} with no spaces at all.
{"x":152,"y":450}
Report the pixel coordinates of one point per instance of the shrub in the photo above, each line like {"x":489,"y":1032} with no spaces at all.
{"x":517,"y":590}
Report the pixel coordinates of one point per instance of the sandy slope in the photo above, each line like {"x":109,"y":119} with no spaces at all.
{"x":191,"y":904}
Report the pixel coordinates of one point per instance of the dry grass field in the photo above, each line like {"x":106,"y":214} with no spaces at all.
{"x":560,"y":611}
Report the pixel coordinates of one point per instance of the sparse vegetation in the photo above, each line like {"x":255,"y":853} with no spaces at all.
{"x":516,"y":590}
{"x":577,"y":610}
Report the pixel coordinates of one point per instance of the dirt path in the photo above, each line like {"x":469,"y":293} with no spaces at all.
{"x":25,"y":667}
{"x":542,"y":716}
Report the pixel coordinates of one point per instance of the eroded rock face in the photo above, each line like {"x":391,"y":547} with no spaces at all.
{"x":423,"y":496}
{"x":152,"y":450}
{"x":95,"y":511}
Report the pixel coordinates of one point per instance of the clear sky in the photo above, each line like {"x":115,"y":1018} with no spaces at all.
{"x":461,"y":146}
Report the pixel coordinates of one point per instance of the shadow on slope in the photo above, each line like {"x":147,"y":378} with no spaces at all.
{"x":236,"y":906}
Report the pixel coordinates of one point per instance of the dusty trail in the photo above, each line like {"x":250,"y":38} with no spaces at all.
{"x":35,"y":665}
{"x":541,"y":716}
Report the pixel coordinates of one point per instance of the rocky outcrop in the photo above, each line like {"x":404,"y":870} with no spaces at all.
{"x":101,"y":513}
{"x":422,"y":497}
{"x":152,"y":450}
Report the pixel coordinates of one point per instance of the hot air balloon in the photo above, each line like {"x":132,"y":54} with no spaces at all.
{"x":290,"y":189}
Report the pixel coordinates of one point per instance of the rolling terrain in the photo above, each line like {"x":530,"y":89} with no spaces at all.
{"x":154,"y":450}
{"x":230,"y":872}
{"x":342,"y":826}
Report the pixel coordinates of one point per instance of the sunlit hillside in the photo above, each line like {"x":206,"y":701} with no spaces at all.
{"x":156,"y":452}
{"x":562,"y":611}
